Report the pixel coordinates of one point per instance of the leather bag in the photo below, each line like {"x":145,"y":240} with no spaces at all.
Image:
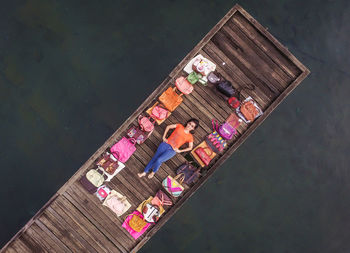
{"x":170,"y":99}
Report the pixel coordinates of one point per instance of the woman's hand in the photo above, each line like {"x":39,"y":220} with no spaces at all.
{"x":177,"y":150}
{"x":165,"y":139}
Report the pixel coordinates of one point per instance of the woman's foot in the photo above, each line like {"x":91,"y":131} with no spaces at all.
{"x":151,"y":175}
{"x":141,"y":174}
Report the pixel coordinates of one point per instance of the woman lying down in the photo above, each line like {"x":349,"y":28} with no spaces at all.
{"x":169,"y":147}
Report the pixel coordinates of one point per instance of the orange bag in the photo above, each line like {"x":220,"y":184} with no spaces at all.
{"x":170,"y":99}
{"x":249,"y":111}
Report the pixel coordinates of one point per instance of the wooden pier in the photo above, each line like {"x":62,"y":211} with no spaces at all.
{"x":245,"y":53}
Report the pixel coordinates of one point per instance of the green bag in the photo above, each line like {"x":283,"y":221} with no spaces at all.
{"x":193,"y":77}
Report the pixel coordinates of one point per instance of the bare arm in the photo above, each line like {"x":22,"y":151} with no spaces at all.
{"x":167,"y":130}
{"x":190,"y":147}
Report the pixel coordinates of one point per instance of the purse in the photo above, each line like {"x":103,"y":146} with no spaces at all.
{"x":183,"y":85}
{"x":170,"y":99}
{"x":137,"y":223}
{"x":172,"y":186}
{"x":190,"y":172}
{"x":146,"y":123}
{"x":203,"y":155}
{"x":123,"y":149}
{"x":87,"y":185}
{"x":216,"y":142}
{"x":137,"y":133}
{"x":102,"y":192}
{"x":249,"y":110}
{"x":163,"y":198}
{"x":225,"y":87}
{"x":117,"y":203}
{"x":96,"y":177}
{"x":214,"y":77}
{"x":225,"y":130}
{"x":159,"y":113}
{"x":150,"y":213}
{"x":193,"y":77}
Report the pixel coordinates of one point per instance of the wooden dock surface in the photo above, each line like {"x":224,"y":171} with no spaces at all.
{"x":245,"y":53}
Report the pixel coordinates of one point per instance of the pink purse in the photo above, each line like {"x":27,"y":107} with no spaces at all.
{"x":123,"y":149}
{"x":160,"y":113}
{"x":183,"y":85}
{"x":146,"y":123}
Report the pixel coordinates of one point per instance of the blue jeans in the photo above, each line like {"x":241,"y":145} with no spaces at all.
{"x":163,"y":154}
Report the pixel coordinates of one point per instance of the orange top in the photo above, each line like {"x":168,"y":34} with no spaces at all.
{"x":179,"y":137}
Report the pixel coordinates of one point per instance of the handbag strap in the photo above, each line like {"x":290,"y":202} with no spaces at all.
{"x":182,"y":175}
{"x":215,"y":124}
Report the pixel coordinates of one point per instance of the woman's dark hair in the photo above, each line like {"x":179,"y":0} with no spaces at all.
{"x":196,"y":121}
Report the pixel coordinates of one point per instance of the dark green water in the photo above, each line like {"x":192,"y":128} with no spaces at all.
{"x":72,"y":71}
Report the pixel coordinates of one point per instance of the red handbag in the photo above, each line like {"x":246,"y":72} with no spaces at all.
{"x":203,"y":155}
{"x":159,"y":112}
{"x":183,"y":85}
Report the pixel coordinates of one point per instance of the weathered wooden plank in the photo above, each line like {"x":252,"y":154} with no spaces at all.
{"x":84,"y":227}
{"x":272,"y":39}
{"x":56,"y":243}
{"x":265,"y":45}
{"x":250,"y":49}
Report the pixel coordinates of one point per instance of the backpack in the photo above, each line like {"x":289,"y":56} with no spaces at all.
{"x":123,"y":149}
{"x":150,"y":213}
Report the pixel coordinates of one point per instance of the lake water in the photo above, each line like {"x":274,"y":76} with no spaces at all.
{"x":72,"y":71}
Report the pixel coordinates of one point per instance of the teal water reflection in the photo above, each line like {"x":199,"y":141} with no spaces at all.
{"x":72,"y":71}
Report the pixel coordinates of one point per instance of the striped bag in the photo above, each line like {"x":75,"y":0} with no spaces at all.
{"x":173,"y":186}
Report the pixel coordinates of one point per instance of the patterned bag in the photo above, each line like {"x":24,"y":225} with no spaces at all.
{"x":170,"y":99}
{"x":172,"y":186}
{"x":204,"y":155}
{"x":216,"y":142}
{"x":190,"y":172}
{"x":139,"y":135}
{"x":123,"y":149}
